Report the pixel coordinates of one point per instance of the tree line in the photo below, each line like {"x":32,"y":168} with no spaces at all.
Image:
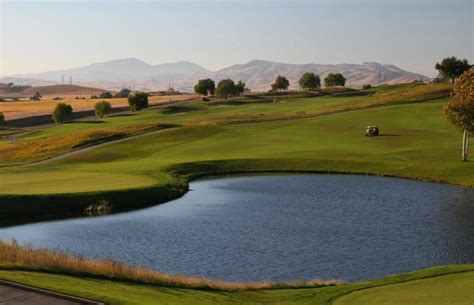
{"x":226,"y":87}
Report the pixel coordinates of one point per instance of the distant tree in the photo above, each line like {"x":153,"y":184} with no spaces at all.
{"x":452,"y":68}
{"x":226,"y":88}
{"x":240,"y":87}
{"x":2,"y":119}
{"x":62,"y":113}
{"x":365,"y":87}
{"x":138,"y":101}
{"x":281,"y":83}
{"x":460,"y":108}
{"x":102,"y":108}
{"x":123,"y":93}
{"x":36,"y":97}
{"x":310,"y":81}
{"x":334,"y":80}
{"x":106,"y":95}
{"x":205,"y":87}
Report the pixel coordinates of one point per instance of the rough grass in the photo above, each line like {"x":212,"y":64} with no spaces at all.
{"x":46,"y":147}
{"x":26,"y":257}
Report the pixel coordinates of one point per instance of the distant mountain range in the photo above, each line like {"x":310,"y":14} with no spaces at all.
{"x":257,"y":74}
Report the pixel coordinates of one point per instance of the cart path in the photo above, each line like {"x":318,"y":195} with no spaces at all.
{"x":17,"y":294}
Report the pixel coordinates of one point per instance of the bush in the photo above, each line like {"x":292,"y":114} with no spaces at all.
{"x":2,"y":119}
{"x":123,"y":93}
{"x":102,"y":108}
{"x":138,"y":101}
{"x":62,"y":113}
{"x":365,"y":87}
{"x":36,"y":97}
{"x":106,"y":95}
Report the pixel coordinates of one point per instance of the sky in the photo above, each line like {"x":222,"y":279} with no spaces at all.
{"x":39,"y":36}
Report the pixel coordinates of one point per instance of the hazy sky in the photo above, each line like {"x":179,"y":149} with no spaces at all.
{"x":39,"y":36}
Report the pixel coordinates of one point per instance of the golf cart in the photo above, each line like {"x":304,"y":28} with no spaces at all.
{"x":372,"y":131}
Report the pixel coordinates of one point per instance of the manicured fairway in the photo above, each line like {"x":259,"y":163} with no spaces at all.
{"x":416,"y":142}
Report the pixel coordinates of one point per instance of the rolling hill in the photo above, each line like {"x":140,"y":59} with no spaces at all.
{"x":258,"y":74}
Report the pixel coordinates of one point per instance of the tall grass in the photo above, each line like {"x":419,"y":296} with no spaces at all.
{"x":15,"y":256}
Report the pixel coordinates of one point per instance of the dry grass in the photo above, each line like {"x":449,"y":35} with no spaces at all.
{"x":15,"y":256}
{"x":22,"y":109}
{"x":46,"y":147}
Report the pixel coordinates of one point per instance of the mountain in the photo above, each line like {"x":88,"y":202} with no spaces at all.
{"x":257,"y":74}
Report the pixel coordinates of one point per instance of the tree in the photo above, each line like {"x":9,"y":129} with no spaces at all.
{"x":281,"y":83}
{"x":310,"y":81}
{"x":106,"y":95}
{"x":123,"y":93}
{"x":240,"y":86}
{"x":226,"y":88}
{"x":334,"y":80}
{"x":36,"y":97}
{"x":138,"y":101}
{"x":452,"y":68}
{"x":460,"y":108}
{"x":102,"y":108}
{"x":205,"y":87}
{"x":62,"y":113}
{"x":2,"y":119}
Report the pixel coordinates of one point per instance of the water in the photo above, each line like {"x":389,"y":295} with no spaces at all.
{"x":281,"y":228}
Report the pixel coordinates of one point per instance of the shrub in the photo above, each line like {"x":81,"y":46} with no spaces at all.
{"x":138,"y":101}
{"x":2,"y":119}
{"x":106,"y":95}
{"x":62,"y":113}
{"x":102,"y":108}
{"x":365,"y":87}
{"x":36,"y":97}
{"x":123,"y":93}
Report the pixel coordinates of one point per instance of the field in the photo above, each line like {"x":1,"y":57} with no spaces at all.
{"x":298,"y":133}
{"x":22,"y":109}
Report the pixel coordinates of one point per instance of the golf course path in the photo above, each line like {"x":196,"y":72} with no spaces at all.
{"x":17,"y":294}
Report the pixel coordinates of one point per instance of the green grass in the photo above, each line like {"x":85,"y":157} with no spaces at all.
{"x":448,"y":289}
{"x":416,"y":142}
{"x":434,"y":286}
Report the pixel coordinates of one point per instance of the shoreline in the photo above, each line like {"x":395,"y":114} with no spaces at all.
{"x":21,"y":209}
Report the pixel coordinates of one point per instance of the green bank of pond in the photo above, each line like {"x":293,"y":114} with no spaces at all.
{"x":443,"y":281}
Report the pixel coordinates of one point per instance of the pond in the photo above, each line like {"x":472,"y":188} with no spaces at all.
{"x":283,"y":227}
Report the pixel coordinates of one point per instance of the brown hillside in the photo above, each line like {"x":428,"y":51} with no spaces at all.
{"x":54,"y":90}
